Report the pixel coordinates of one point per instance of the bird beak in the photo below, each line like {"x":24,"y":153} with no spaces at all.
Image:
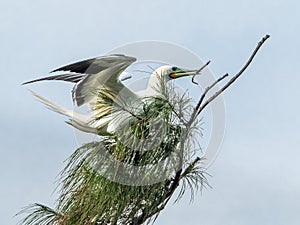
{"x":183,"y":73}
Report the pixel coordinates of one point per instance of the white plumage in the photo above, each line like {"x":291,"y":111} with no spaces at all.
{"x":103,"y":74}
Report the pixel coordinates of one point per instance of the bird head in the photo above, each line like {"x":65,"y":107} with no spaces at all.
{"x":172,"y":72}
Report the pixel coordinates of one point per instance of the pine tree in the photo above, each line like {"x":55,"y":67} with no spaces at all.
{"x":95,"y":190}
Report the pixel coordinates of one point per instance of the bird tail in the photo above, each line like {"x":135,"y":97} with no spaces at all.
{"x":79,"y":121}
{"x":82,"y":126}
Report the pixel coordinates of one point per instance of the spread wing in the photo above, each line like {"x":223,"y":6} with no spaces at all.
{"x":103,"y":72}
{"x":90,"y":75}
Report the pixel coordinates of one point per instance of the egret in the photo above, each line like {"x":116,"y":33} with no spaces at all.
{"x":103,"y":74}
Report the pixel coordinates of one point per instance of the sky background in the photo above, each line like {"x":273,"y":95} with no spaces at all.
{"x":255,"y":178}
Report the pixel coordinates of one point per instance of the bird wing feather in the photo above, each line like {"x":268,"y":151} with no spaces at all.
{"x":92,"y":74}
{"x":103,"y":72}
{"x":74,"y":78}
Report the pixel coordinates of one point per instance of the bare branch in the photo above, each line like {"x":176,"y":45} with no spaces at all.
{"x":199,"y":71}
{"x":235,"y":77}
{"x":203,"y":96}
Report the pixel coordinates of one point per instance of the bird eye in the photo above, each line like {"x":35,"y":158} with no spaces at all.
{"x":174,"y":68}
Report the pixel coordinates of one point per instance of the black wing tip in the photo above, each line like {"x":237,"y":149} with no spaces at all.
{"x":70,"y":68}
{"x":88,"y":62}
{"x":36,"y":80}
{"x":73,"y":78}
{"x":30,"y":82}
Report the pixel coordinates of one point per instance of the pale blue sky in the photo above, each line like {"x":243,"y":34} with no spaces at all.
{"x":256,"y":176}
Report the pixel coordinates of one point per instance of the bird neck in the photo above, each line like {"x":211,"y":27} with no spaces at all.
{"x":154,"y":84}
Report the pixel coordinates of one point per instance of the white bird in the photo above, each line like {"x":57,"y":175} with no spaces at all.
{"x":98,"y":75}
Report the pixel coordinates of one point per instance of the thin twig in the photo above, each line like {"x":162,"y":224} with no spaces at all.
{"x":236,"y":76}
{"x":203,"y":67}
{"x":232,"y":79}
{"x":203,"y":96}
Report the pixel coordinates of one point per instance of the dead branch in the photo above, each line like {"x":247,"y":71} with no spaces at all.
{"x":203,"y":96}
{"x":233,"y":79}
{"x":199,"y":71}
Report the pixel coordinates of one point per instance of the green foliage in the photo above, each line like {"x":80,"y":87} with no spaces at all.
{"x":96,"y":187}
{"x":40,"y":215}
